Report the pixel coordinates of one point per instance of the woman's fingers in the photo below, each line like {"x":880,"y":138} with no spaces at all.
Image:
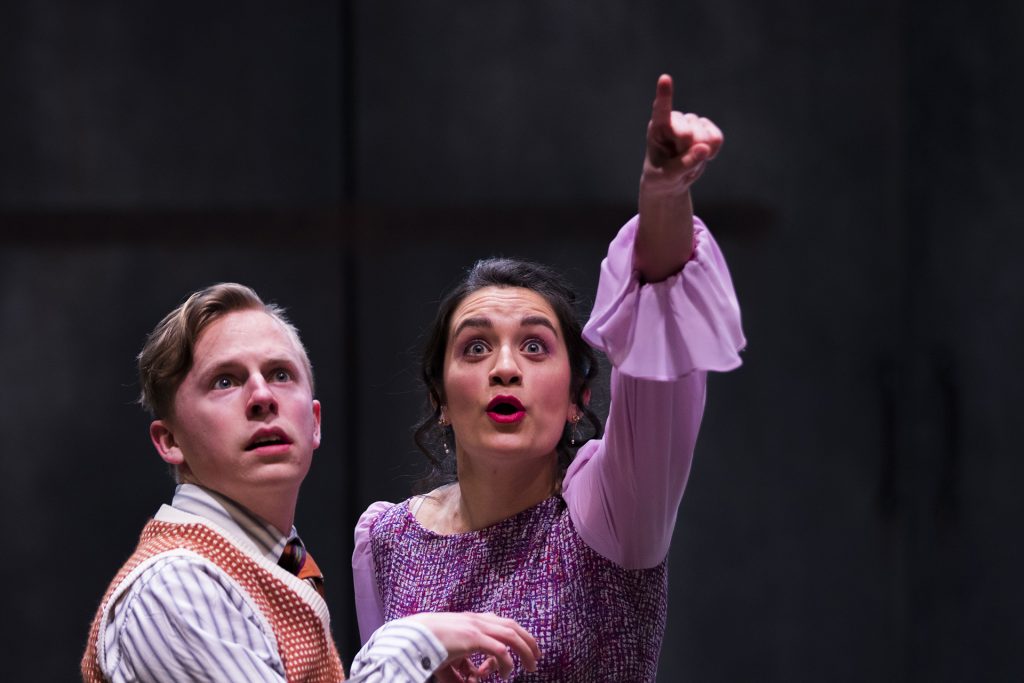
{"x":679,"y":143}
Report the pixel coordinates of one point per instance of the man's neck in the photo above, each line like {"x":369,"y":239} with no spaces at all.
{"x":273,"y":507}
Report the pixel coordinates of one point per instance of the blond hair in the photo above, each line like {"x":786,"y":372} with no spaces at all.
{"x":167,"y":355}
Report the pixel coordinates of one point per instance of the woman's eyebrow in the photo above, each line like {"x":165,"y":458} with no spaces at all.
{"x":472,"y":322}
{"x":483,"y":322}
{"x":538,"y":320}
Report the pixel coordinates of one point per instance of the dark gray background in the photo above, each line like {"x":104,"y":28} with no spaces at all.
{"x":853,"y":511}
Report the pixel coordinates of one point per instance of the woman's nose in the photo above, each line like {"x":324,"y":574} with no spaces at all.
{"x":506,"y":369}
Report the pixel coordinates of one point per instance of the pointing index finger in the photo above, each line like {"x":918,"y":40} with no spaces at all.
{"x":661,"y":112}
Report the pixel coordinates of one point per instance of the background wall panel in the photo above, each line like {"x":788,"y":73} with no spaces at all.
{"x":852,"y":508}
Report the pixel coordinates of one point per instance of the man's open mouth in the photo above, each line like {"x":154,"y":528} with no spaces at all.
{"x":271,"y":437}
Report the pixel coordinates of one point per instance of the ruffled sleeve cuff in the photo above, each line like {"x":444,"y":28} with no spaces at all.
{"x":369,"y":609}
{"x":666,"y":330}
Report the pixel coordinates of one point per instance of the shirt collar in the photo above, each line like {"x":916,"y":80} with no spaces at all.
{"x":233,"y":518}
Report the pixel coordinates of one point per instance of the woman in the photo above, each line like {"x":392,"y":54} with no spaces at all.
{"x":570,"y":543}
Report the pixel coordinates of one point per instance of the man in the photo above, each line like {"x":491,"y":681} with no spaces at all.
{"x":220,"y":587}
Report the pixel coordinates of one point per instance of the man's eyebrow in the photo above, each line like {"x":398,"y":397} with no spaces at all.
{"x":281,"y":360}
{"x":217,"y":365}
{"x":208,"y":366}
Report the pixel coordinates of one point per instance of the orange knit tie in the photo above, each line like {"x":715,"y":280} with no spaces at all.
{"x":298,"y":561}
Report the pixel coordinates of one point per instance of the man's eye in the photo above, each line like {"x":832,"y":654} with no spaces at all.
{"x":222,"y":383}
{"x":282,"y":376}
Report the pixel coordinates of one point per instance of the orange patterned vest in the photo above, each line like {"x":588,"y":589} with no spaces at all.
{"x":304,"y":641}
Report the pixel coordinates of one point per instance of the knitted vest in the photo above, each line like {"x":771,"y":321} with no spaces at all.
{"x":304,"y":642}
{"x":593,"y":620}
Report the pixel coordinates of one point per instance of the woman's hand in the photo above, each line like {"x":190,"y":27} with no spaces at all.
{"x":467,"y":633}
{"x":679,"y":146}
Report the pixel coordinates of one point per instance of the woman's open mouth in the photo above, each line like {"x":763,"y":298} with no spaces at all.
{"x":505,"y":409}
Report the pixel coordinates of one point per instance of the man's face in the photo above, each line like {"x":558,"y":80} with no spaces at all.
{"x":245,"y":423}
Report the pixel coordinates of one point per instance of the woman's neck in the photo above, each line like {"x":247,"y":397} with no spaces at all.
{"x":486,"y":495}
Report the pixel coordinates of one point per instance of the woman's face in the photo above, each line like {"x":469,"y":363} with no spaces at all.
{"x":506,"y":376}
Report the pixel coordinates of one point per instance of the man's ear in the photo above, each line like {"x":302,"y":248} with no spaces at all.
{"x":163,"y":440}
{"x":316,"y":426}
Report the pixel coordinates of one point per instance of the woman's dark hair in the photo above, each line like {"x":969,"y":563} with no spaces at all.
{"x":430,"y":436}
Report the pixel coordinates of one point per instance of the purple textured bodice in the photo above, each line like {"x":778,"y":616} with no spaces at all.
{"x":593,"y":620}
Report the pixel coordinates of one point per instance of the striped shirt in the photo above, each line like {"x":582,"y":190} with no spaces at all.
{"x":184,"y":619}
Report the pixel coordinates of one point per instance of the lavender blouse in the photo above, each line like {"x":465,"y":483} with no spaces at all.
{"x":584,"y":572}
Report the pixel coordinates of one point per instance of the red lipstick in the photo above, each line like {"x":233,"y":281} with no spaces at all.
{"x":506,"y":409}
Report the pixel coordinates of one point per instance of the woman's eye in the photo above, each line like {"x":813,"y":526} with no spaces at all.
{"x":534,"y":346}
{"x":476,"y":348}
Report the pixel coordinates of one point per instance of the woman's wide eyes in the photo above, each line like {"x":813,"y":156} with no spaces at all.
{"x":531,"y":346}
{"x":534,"y":346}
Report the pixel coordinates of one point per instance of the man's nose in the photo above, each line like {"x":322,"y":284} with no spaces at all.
{"x":506,"y":369}
{"x":261,"y":398}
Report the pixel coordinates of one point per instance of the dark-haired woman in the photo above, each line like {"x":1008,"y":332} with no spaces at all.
{"x":570,"y":540}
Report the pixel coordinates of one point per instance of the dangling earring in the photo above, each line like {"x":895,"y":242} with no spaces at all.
{"x":574,"y":431}
{"x":443,"y":423}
